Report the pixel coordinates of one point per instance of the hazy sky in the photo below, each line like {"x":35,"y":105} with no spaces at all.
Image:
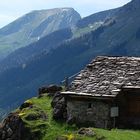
{"x":12,"y":9}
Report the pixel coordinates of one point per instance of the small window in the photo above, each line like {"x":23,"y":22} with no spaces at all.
{"x":89,"y":105}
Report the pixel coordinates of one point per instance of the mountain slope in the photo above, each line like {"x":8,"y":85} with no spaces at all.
{"x":43,"y":46}
{"x":32,"y":26}
{"x":92,"y":22}
{"x":88,"y":24}
{"x":118,"y":35}
{"x":97,"y":17}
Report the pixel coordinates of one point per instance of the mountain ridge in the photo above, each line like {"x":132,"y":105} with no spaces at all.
{"x":33,"y":26}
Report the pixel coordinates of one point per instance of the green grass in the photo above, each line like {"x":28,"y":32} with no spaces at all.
{"x":116,"y":134}
{"x":41,"y":129}
{"x":81,"y":31}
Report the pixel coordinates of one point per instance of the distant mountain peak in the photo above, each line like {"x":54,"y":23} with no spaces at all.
{"x":35,"y":25}
{"x":61,"y":9}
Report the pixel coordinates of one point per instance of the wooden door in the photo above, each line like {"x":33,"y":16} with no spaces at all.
{"x":134,"y":106}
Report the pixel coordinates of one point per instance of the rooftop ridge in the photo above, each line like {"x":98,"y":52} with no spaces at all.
{"x":129,"y":57}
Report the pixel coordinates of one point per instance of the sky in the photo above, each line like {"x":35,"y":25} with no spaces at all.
{"x":13,"y":9}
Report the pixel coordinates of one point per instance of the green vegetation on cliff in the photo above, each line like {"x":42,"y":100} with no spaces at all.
{"x":40,"y":125}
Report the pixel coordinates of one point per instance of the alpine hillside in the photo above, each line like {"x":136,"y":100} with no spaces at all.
{"x":113,"y":32}
{"x":33,"y":26}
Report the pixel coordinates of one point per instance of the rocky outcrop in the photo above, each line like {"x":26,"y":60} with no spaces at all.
{"x":12,"y":128}
{"x":16,"y":127}
{"x":49,"y":90}
{"x":59,"y":107}
{"x":26,"y":104}
{"x":87,"y":132}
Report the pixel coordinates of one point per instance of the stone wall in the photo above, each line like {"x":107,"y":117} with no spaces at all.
{"x":90,"y":113}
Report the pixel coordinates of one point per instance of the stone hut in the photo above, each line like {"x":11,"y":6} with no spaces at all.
{"x":106,"y":94}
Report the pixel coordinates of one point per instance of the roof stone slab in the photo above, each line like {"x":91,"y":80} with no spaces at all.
{"x":106,"y":75}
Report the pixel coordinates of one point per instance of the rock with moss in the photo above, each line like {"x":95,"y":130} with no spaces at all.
{"x":25,"y":124}
{"x":13,"y":128}
{"x":87,"y":132}
{"x":59,"y":107}
{"x":49,"y":90}
{"x":36,"y":115}
{"x":26,"y":104}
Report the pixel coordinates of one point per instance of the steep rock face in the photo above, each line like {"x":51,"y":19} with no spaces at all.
{"x":63,"y":18}
{"x":12,"y":128}
{"x":59,"y":107}
{"x":32,"y":26}
{"x":51,"y":90}
{"x":16,"y":125}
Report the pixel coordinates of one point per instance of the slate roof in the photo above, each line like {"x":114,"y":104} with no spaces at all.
{"x":105,"y":76}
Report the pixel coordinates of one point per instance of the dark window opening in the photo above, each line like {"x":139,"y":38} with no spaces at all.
{"x":89,"y":105}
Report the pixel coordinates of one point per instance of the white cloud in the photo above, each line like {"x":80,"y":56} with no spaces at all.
{"x":11,"y":9}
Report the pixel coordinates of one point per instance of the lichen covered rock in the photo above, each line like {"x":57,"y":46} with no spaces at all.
{"x":59,"y":107}
{"x":26,"y":104}
{"x":49,"y":90}
{"x":13,"y":128}
{"x":86,"y":131}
